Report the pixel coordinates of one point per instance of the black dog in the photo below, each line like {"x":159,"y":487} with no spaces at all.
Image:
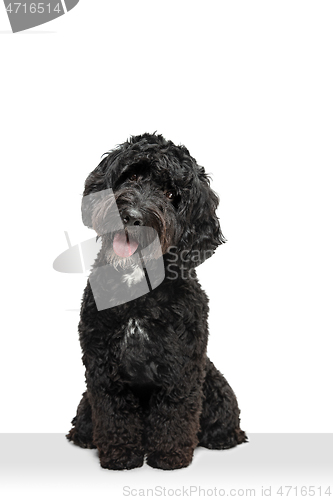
{"x":151,"y":390}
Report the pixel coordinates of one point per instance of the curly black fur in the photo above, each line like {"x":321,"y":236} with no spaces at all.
{"x":153,"y":392}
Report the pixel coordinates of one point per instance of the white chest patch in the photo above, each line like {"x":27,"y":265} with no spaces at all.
{"x":134,"y":328}
{"x":134,"y":276}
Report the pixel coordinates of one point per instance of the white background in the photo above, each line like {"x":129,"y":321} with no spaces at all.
{"x":247,"y":87}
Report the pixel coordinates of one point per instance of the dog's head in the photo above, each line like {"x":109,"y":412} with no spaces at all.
{"x":157,"y":185}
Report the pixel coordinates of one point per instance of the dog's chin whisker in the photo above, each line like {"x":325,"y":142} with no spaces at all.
{"x":133,"y":277}
{"x":120,"y":263}
{"x":139,"y":258}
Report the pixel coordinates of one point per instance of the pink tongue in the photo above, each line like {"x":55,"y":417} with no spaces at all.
{"x":124,"y":246}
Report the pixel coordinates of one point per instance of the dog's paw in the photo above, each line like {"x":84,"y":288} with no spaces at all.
{"x":169,"y":461}
{"x":222,"y":441}
{"x":82,"y":440}
{"x":120,"y":460}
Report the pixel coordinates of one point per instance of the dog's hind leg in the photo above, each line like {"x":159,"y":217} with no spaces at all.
{"x":82,"y":430}
{"x":219,"y":423}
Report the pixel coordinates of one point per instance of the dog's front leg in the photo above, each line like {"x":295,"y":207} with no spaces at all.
{"x":117,"y":429}
{"x":172,"y":428}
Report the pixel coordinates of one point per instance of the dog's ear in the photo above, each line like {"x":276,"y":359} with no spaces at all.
{"x":102,"y":178}
{"x":95,"y":182}
{"x":204,"y":234}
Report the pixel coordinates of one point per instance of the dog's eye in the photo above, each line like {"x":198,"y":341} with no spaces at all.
{"x":170,"y":195}
{"x":133,"y":177}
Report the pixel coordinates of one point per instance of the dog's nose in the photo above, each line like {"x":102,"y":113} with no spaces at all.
{"x":132,"y":217}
